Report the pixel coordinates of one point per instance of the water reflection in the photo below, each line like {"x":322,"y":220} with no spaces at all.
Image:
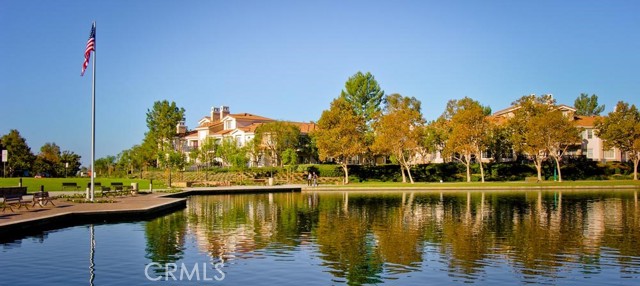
{"x":368,"y":238}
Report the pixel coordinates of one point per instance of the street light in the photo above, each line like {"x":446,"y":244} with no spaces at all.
{"x":66,"y":166}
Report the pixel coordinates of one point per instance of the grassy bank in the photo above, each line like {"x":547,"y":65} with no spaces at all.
{"x":55,"y":184}
{"x":491,"y":184}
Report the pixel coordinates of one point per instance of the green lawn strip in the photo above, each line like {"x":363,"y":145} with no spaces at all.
{"x":490,"y":184}
{"x":55,"y":184}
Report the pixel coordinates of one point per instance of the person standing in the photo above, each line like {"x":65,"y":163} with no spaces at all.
{"x":309,"y":178}
{"x":315,"y":179}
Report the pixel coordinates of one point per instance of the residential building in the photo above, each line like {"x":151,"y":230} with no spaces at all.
{"x":591,"y":145}
{"x":222,"y":124}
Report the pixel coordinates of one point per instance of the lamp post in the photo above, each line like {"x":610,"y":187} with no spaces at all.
{"x":5,"y":157}
{"x":66,"y":166}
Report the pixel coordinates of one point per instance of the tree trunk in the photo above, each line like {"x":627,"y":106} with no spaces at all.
{"x":409,"y":173}
{"x":538,"y":163}
{"x":345,"y":168}
{"x":468,"y":164}
{"x":169,"y":177}
{"x":404,"y":178}
{"x":635,"y":167}
{"x":481,"y":170}
{"x":558,"y":167}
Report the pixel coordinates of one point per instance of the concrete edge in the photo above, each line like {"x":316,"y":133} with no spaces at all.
{"x":65,"y":219}
{"x":475,"y":188}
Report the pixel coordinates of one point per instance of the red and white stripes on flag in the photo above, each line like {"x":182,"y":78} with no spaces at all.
{"x":91,"y":46}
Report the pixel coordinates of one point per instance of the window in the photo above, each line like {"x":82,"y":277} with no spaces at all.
{"x":609,"y":154}
{"x":590,"y":153}
{"x":589,"y":133}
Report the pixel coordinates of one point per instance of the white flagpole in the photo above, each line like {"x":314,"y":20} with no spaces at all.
{"x":93,"y":119}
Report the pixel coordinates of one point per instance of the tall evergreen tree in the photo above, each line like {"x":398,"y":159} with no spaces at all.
{"x":162,"y":120}
{"x":588,"y":105}
{"x":364,"y":95}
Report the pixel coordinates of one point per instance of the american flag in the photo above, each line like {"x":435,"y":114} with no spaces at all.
{"x":91,"y":46}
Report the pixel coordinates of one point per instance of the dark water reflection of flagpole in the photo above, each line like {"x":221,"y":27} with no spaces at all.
{"x":92,"y":255}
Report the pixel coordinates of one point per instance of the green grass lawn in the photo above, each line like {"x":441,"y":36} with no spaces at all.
{"x":55,"y":184}
{"x":491,"y":184}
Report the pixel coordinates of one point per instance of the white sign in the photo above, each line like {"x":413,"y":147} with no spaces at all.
{"x":5,"y":155}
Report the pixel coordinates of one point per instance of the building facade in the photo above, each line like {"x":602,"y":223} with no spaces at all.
{"x":221,"y":124}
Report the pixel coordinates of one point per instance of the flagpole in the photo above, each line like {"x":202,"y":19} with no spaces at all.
{"x":93,"y":122}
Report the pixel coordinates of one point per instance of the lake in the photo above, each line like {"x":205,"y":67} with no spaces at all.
{"x":353,"y":238}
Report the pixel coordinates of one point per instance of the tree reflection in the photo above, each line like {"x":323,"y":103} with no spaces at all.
{"x":364,"y":238}
{"x":165,"y":238}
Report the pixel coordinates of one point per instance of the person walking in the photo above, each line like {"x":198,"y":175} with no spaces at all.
{"x":315,"y":179}
{"x":309,"y":178}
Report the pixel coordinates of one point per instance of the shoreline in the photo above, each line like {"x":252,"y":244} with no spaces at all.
{"x":469,"y":188}
{"x":148,"y":206}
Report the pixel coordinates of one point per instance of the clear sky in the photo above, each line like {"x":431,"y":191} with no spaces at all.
{"x":289,"y":59}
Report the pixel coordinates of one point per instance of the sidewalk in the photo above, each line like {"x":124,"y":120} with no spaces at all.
{"x":66,"y":212}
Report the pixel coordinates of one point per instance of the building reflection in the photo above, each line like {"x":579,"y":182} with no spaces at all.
{"x":361,"y":237}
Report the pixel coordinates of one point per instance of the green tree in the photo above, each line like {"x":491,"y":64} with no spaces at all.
{"x":562,"y":135}
{"x":73,"y":161}
{"x":239,"y":160}
{"x":340,"y":134}
{"x":253,"y":152}
{"x":105,"y":165}
{"x":365,"y":96}
{"x":307,"y":149}
{"x":621,"y":129}
{"x":20,"y":156}
{"x":172,"y":160}
{"x":162,"y":120}
{"x":141,"y":157}
{"x":47,"y":160}
{"x":588,"y":105}
{"x":233,"y":155}
{"x":290,"y":159}
{"x":227,"y":150}
{"x":499,"y":141}
{"x":277,"y":136}
{"x":399,"y":131}
{"x":533,"y":132}
{"x":207,"y":154}
{"x":468,"y":134}
{"x":435,"y":135}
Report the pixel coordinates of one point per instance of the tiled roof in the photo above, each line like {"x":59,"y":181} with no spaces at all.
{"x":586,"y":121}
{"x":249,"y":116}
{"x":251,"y":128}
{"x":306,"y":127}
{"x":223,"y":132}
{"x":189,"y":134}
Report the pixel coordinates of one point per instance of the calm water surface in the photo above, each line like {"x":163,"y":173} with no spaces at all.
{"x":395,"y":238}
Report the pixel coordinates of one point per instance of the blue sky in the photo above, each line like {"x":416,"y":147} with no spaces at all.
{"x":289,"y":59}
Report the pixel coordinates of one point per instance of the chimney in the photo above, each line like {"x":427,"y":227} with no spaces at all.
{"x":181,"y":128}
{"x":224,"y":111}
{"x":215,"y":113}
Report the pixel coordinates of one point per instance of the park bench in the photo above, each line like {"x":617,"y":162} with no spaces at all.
{"x":12,"y":196}
{"x":70,"y":185}
{"x":116,"y":189}
{"x":106,"y":191}
{"x":120,"y":188}
{"x":96,"y":185}
{"x":531,"y":179}
{"x":42,"y":199}
{"x":260,"y":181}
